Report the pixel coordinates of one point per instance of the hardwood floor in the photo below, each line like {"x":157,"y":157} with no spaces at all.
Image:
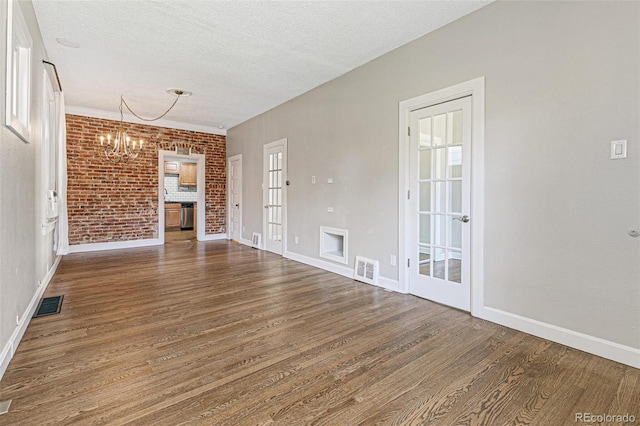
{"x":215,"y":333}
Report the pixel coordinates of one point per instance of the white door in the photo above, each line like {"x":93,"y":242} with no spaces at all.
{"x":274,"y":196}
{"x":235,"y":197}
{"x":440,"y":203}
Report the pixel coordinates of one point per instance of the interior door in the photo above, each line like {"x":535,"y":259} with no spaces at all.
{"x":440,"y":202}
{"x":274,"y":196}
{"x":235,"y":198}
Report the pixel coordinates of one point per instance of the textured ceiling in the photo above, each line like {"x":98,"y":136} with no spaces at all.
{"x":239,"y":58}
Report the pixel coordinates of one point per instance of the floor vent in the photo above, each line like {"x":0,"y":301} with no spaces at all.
{"x":48,"y":306}
{"x":366,"y":270}
{"x":256,"y":240}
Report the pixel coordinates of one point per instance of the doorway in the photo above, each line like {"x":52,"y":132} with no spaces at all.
{"x":234,"y":167}
{"x":274,"y":195}
{"x":199,"y":206}
{"x":441,"y":196}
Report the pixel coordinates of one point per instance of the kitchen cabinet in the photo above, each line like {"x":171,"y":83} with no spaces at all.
{"x":172,"y":167}
{"x":172,"y":216}
{"x":188,"y":174}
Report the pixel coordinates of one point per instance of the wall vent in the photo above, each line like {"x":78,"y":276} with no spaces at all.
{"x":256,"y":240}
{"x":366,"y":270}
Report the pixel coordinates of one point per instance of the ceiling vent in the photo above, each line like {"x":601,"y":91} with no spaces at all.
{"x":366,"y":270}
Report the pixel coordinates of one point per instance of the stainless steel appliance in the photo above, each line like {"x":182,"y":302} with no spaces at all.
{"x":186,"y":216}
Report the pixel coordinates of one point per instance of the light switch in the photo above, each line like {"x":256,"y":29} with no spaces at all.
{"x":618,"y":149}
{"x":329,"y":180}
{"x":313,"y":180}
{"x":330,"y":209}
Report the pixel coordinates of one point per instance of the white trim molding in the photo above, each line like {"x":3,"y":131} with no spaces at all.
{"x":213,"y":237}
{"x":475,"y":89}
{"x":10,"y":348}
{"x":115,"y":116}
{"x":584,"y":342}
{"x":345,"y":271}
{"x":200,"y":205}
{"x":115,"y":245}
{"x":246,"y":242}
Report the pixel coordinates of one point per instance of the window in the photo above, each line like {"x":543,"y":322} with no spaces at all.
{"x":18,"y":84}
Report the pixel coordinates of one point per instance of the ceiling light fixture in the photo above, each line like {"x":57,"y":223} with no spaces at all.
{"x":68,"y":43}
{"x":122,"y":148}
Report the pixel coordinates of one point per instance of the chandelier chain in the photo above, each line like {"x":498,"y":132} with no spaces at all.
{"x":122,"y":101}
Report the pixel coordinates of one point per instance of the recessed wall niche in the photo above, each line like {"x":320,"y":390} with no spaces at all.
{"x":333,"y":244}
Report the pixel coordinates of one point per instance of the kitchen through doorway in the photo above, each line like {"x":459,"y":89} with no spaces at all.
{"x":181,"y":198}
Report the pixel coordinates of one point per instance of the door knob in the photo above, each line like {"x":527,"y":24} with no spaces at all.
{"x":267,"y":206}
{"x":463,"y":219}
{"x":237,"y":205}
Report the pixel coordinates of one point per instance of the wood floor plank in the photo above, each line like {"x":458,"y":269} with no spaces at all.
{"x":216,"y":333}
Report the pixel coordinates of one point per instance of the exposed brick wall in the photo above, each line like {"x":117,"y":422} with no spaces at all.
{"x":119,"y":202}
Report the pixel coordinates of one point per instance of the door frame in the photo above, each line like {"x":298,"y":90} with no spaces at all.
{"x":474,"y":88}
{"x":265,"y":197}
{"x":200,"y":161}
{"x":229,"y":206}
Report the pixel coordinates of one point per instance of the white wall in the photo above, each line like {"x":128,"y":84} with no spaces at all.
{"x":26,"y":255}
{"x":562,"y":81}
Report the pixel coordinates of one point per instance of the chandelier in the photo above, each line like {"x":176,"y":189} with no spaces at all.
{"x":122,"y":147}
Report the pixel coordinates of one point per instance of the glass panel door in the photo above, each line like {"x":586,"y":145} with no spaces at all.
{"x":440,"y":176}
{"x":274,"y":219}
{"x":274,"y":196}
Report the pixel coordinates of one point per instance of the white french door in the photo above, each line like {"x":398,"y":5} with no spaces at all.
{"x":235,"y":197}
{"x":440,"y":203}
{"x":274,"y":195}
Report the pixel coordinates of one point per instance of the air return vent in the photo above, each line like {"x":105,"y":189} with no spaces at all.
{"x":366,"y":270}
{"x":256,"y":240}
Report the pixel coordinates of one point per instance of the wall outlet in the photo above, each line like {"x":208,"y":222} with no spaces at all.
{"x":330,"y":209}
{"x":393,"y":261}
{"x":313,"y":180}
{"x":295,"y":239}
{"x":329,"y":180}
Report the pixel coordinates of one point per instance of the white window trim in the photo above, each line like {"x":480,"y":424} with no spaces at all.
{"x":18,"y":91}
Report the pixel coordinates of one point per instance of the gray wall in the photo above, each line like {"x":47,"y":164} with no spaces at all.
{"x":25,"y":254}
{"x":562,"y":81}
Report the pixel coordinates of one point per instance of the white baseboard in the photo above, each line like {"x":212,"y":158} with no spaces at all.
{"x":10,"y":348}
{"x":390,"y":284}
{"x":214,"y":237}
{"x":345,"y":271}
{"x":115,"y":245}
{"x":246,"y":242}
{"x":584,"y":342}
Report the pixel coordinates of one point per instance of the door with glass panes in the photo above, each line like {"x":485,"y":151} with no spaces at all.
{"x":274,"y":221}
{"x":439,"y":202}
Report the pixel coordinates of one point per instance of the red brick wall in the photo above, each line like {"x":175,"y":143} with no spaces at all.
{"x":119,"y":202}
